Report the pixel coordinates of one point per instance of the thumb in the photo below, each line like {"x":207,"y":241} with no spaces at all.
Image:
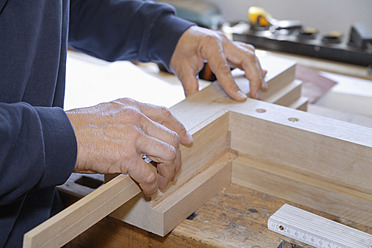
{"x":189,"y":81}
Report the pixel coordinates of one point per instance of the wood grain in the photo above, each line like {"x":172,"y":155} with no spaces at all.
{"x":235,"y":217}
{"x":302,"y":188}
{"x":72,"y":221}
{"x":167,"y":213}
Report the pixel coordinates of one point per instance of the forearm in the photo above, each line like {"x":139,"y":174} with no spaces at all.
{"x":125,"y":30}
{"x":38,"y":149}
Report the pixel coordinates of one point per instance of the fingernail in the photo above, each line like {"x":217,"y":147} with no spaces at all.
{"x":265,"y":86}
{"x":241,"y":95}
{"x":189,"y":137}
{"x":258,"y":94}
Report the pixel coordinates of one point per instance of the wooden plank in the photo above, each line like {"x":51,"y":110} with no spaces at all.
{"x":171,"y":210}
{"x":194,"y":193}
{"x":213,"y":130}
{"x":300,"y":104}
{"x":281,"y":72}
{"x":72,"y":221}
{"x":287,"y":95}
{"x":363,"y":120}
{"x":283,"y":89}
{"x":335,"y":151}
{"x":304,"y":189}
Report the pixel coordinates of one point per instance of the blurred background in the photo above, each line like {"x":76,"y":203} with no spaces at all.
{"x":325,"y":15}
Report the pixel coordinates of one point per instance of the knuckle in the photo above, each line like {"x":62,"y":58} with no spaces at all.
{"x":212,"y":39}
{"x":131,"y":115}
{"x":174,"y":139}
{"x":126,"y":100}
{"x":132,"y":132}
{"x":150,"y":178}
{"x":249,"y":56}
{"x":245,"y":46}
{"x":165,"y":112}
{"x":223,"y":69}
{"x":250,"y":46}
{"x":170,"y":153}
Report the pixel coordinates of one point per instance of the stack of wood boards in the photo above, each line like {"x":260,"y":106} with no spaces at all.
{"x":311,"y":160}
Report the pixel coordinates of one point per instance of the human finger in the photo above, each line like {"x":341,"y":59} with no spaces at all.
{"x":161,"y":132}
{"x":187,"y":75}
{"x":214,"y":53}
{"x":262,"y":71}
{"x":252,"y":49}
{"x":145,"y":175}
{"x":245,"y":58}
{"x":164,"y":154}
{"x":164,"y":116}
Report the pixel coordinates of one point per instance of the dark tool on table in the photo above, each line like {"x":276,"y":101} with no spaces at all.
{"x":265,"y":32}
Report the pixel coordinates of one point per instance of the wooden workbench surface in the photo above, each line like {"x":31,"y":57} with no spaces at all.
{"x":235,"y":217}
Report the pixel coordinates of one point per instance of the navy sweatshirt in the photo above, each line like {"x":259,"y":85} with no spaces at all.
{"x":37,"y":143}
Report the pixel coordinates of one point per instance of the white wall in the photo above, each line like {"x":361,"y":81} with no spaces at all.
{"x":325,"y":15}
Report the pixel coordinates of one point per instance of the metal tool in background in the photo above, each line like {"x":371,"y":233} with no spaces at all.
{"x":261,"y":18}
{"x":265,"y":32}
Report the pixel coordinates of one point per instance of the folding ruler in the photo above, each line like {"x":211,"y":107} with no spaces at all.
{"x":315,"y":230}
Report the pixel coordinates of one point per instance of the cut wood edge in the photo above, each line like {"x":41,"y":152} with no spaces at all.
{"x":287,"y":94}
{"x":300,"y":104}
{"x":193,"y":194}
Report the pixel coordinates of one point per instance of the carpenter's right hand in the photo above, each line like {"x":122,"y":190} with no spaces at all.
{"x":112,"y":138}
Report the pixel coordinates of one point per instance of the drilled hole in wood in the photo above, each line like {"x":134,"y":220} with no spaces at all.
{"x":293,"y":119}
{"x":260,"y":110}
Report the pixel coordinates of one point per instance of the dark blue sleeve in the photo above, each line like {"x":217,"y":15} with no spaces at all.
{"x":125,"y":30}
{"x":42,"y":164}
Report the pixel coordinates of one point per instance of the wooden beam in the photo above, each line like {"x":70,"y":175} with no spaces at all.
{"x":162,"y":217}
{"x":287,"y":183}
{"x":332,"y":150}
{"x":72,"y":221}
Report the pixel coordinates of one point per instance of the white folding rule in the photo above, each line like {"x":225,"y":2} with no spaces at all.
{"x":315,"y":230}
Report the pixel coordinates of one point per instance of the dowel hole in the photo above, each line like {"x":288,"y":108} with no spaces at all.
{"x":260,"y":110}
{"x":293,"y":119}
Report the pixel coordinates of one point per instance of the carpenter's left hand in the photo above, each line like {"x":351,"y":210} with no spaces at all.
{"x":198,"y":44}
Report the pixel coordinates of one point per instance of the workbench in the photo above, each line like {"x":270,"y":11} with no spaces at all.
{"x":235,"y":217}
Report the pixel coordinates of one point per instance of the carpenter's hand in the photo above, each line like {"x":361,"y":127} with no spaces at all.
{"x":197,"y":45}
{"x":112,"y":138}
